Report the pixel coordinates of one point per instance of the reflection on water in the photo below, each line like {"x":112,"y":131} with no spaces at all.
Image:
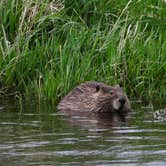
{"x":35,"y":134}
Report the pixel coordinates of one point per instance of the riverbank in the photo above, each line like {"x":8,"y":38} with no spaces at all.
{"x":48,"y":47}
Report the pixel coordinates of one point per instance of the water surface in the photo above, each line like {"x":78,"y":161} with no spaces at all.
{"x":36,"y":134}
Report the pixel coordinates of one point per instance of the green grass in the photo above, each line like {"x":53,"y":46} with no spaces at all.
{"x":47,"y":47}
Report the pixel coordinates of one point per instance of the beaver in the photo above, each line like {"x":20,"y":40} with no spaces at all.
{"x":97,"y":97}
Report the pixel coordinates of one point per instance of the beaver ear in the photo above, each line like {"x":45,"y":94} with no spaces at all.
{"x":97,"y":88}
{"x":121,"y":84}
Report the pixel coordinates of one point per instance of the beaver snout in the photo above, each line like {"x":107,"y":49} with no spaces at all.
{"x":122,"y":101}
{"x":119,"y":103}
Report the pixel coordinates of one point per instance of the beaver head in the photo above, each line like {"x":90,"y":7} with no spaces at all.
{"x":111,"y":98}
{"x":95,"y":97}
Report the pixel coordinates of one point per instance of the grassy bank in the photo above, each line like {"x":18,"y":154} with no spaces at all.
{"x":47,"y":47}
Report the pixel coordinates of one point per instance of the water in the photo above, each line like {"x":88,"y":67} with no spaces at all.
{"x":35,"y":134}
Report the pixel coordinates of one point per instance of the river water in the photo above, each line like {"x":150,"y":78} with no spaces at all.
{"x":36,"y":134}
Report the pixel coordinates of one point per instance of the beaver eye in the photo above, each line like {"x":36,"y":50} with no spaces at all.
{"x":97,"y":88}
{"x":111,"y":92}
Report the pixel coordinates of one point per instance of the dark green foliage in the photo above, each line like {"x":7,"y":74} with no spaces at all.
{"x":47,"y":47}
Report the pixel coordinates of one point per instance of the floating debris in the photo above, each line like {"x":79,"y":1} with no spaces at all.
{"x":160,"y":115}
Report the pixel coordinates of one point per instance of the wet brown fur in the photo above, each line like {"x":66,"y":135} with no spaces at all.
{"x":94,"y":97}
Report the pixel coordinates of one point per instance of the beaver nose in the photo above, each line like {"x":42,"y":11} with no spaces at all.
{"x":122,"y":100}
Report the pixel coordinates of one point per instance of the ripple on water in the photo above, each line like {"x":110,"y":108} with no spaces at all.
{"x":48,"y":138}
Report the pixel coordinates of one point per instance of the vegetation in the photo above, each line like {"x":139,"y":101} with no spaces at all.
{"x":49,"y":46}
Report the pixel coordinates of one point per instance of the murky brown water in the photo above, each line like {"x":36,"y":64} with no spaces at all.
{"x":35,"y":134}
